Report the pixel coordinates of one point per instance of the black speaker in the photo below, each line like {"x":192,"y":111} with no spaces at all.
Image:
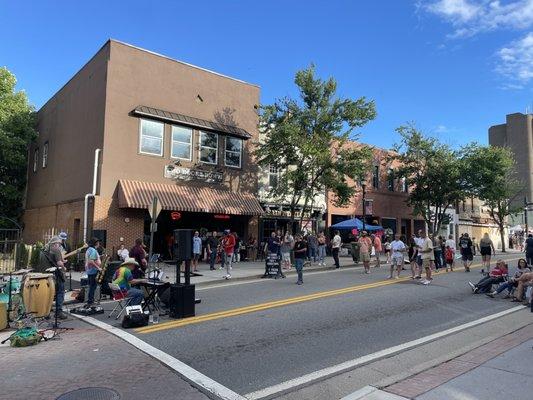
{"x":181,"y":301}
{"x":183,"y":244}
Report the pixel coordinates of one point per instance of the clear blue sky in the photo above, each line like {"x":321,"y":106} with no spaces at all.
{"x":412,"y":57}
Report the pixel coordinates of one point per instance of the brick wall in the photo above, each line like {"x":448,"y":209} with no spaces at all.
{"x":122,"y":225}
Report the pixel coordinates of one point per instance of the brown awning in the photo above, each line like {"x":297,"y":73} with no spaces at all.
{"x":136,"y":194}
{"x":191,"y":121}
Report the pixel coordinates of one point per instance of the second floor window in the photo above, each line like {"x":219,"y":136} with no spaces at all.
{"x":45,"y":155}
{"x":181,"y":143}
{"x":390,"y":180}
{"x":405,"y":185}
{"x":208,"y":147}
{"x":273,"y":176}
{"x":151,"y":137}
{"x":233,"y":153}
{"x":35,"y":159}
{"x":375,"y":177}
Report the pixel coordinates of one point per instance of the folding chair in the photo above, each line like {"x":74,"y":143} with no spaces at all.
{"x":120,"y":298}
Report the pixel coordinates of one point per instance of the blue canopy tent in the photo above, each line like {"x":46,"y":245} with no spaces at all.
{"x":356,"y":223}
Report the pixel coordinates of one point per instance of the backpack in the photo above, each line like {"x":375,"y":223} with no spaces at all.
{"x":449,"y":255}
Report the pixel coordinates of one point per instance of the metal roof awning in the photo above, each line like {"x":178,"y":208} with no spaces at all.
{"x":136,"y":194}
{"x":169,"y":116}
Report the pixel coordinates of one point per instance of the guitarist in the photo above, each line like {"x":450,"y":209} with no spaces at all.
{"x":55,"y":256}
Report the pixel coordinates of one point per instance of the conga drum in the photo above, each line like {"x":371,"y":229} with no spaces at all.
{"x":38,"y":294}
{"x":3,"y":316}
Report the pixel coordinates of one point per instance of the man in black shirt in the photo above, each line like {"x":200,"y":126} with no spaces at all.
{"x":212,"y":246}
{"x":300,"y":254}
{"x":465,"y":244}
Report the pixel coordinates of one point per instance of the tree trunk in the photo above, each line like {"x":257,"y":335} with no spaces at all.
{"x":501,"y":228}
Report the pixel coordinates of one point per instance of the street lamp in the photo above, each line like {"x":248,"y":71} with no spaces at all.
{"x":362,"y":182}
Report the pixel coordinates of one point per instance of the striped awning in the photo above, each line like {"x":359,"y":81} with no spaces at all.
{"x":136,"y":194}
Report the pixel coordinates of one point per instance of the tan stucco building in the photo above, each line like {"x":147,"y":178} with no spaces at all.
{"x":164,"y":128}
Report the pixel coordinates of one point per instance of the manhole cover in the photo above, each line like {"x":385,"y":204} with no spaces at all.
{"x":91,"y":393}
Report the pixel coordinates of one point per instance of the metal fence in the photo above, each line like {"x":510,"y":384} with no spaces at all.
{"x":10,"y":256}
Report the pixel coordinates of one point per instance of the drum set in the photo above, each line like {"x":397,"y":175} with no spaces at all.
{"x":25,"y":292}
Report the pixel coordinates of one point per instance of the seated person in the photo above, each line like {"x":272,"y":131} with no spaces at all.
{"x":523,"y":283}
{"x":512,"y":283}
{"x":497,"y":275}
{"x":124,"y":279}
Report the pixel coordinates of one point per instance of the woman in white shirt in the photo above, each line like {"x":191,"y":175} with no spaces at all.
{"x":123,"y":253}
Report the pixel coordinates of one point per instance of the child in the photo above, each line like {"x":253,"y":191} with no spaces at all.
{"x":449,"y":256}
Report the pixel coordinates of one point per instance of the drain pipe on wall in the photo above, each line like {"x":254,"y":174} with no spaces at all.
{"x":89,"y":195}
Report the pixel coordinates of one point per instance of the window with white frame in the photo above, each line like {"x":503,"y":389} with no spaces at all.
{"x":181,"y":143}
{"x":208,"y":147}
{"x":151,"y":137}
{"x":35,"y":159}
{"x":233,"y":152}
{"x":45,"y":154}
{"x":273,"y":176}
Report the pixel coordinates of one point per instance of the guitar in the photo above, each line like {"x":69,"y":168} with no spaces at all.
{"x":65,"y":255}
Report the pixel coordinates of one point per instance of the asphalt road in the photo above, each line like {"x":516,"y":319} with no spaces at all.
{"x":249,"y":336}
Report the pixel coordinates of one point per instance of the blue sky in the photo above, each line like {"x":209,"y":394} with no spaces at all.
{"x":455,"y":67}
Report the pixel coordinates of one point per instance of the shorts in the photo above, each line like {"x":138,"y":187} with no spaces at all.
{"x":485,"y":251}
{"x":467,"y":257}
{"x":196,"y":256}
{"x":397,"y":260}
{"x":426,"y":263}
{"x":419,"y":260}
{"x":365,"y":257}
{"x":286,"y":257}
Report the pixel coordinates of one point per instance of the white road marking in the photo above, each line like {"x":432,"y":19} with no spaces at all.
{"x":205,"y":384}
{"x":322,"y":374}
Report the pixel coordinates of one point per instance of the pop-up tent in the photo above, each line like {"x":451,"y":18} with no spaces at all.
{"x":356,"y":223}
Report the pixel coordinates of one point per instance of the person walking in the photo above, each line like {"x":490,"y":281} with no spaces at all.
{"x":398,"y":249}
{"x":486,"y":249}
{"x":387,"y":249}
{"x":378,"y":248}
{"x":212,"y":246}
{"x":321,"y":239}
{"x":450,"y":244}
{"x":335,"y":248}
{"x":365,"y":247}
{"x":196,"y":250}
{"x":425,"y":250}
{"x":437,"y":253}
{"x":286,"y":247}
{"x":529,"y":249}
{"x":300,"y":254}
{"x":465,"y":244}
{"x":412,"y":252}
{"x":228,"y":247}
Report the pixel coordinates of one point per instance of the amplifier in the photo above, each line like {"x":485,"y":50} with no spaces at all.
{"x":182,"y":301}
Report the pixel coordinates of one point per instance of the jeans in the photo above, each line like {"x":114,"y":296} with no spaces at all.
{"x":335,"y":254}
{"x":92,"y":288}
{"x":313,"y":253}
{"x":60,"y":293}
{"x":136,"y":295}
{"x":227,"y":261}
{"x":299,"y":263}
{"x":506,"y":285}
{"x":485,"y":284}
{"x":212,"y":259}
{"x":321,"y":253}
{"x":529,"y":258}
{"x":438,"y":259}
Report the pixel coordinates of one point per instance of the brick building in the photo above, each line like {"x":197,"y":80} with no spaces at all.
{"x":156,"y":127}
{"x":385,"y":199}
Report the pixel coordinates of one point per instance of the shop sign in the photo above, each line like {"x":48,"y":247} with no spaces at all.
{"x":221,"y":216}
{"x":285,"y":213}
{"x":175,"y":215}
{"x":189,"y":174}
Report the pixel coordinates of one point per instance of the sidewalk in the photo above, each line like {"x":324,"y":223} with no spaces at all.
{"x":87,"y":357}
{"x":501,"y":369}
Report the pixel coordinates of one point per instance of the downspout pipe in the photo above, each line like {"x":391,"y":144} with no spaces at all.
{"x":89,"y":195}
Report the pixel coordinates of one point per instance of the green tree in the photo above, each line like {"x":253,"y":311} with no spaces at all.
{"x":305,"y":140}
{"x":17,"y":122}
{"x":493,"y":179}
{"x":434,"y":172}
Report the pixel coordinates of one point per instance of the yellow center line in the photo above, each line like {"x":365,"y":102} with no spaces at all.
{"x":274,"y":304}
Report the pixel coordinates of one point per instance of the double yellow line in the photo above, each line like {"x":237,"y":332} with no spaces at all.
{"x":264,"y":306}
{"x":273,"y":304}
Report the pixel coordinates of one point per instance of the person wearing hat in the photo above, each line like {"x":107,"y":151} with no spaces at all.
{"x":92,"y":266}
{"x":55,"y":257}
{"x":65,"y":247}
{"x":123,"y":278}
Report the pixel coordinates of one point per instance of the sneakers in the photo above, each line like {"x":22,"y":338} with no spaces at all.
{"x":491,"y":294}
{"x":418,"y":277}
{"x":227,"y":277}
{"x":426,"y":282}
{"x":472,"y":286}
{"x":299,"y":282}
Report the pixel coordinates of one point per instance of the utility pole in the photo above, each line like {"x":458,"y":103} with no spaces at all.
{"x":363,"y":185}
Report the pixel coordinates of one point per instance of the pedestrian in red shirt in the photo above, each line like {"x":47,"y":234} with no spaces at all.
{"x":228,"y":245}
